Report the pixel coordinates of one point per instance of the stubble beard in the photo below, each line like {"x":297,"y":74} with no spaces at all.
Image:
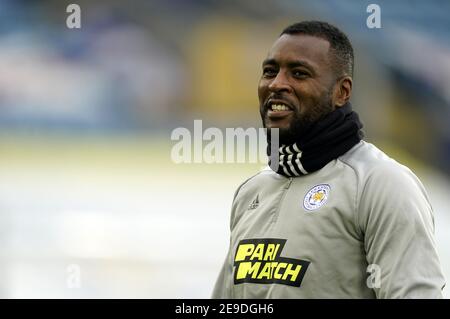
{"x":301,"y":123}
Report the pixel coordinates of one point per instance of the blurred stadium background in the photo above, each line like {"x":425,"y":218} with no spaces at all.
{"x":87,"y":185}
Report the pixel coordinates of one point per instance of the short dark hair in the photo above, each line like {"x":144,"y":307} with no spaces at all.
{"x":340,"y":45}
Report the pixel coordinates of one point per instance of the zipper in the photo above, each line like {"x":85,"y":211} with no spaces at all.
{"x":289,"y":183}
{"x":286,"y":187}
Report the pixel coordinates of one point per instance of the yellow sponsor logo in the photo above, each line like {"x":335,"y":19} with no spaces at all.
{"x":259,"y":261}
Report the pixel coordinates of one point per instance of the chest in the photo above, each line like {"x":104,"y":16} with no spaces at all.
{"x":307,"y":208}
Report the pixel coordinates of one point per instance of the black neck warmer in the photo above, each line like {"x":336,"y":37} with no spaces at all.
{"x":325,"y":140}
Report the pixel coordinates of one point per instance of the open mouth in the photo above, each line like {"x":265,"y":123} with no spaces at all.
{"x":279,"y":107}
{"x":277,"y":110}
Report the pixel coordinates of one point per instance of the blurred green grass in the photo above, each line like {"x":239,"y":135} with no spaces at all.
{"x":134,"y":152}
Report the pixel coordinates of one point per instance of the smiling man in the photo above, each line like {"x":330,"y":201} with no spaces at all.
{"x":338,"y":218}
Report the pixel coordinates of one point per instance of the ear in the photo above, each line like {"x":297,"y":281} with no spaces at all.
{"x":342,"y":91}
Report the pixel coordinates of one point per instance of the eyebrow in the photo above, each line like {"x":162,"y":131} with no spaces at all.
{"x":290,"y":64}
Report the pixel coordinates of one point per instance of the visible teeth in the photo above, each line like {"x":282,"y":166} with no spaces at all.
{"x":279,"y":107}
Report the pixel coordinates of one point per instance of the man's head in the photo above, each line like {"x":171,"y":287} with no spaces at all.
{"x":307,"y":74}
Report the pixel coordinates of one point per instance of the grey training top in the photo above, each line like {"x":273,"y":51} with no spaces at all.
{"x":360,"y":227}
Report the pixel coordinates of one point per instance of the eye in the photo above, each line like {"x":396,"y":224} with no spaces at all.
{"x":300,"y":74}
{"x":269,"y":72}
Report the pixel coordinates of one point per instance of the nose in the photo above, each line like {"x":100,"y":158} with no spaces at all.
{"x":280,"y":84}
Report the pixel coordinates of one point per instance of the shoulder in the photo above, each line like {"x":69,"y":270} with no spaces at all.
{"x":370,"y":165}
{"x":386,"y":187}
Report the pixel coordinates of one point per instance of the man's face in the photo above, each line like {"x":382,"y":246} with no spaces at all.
{"x":296,"y":86}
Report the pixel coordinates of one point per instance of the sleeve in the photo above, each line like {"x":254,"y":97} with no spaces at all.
{"x":223,"y":286}
{"x":396,"y":220}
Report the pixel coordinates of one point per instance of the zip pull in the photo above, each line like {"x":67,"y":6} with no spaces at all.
{"x":289,"y":183}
